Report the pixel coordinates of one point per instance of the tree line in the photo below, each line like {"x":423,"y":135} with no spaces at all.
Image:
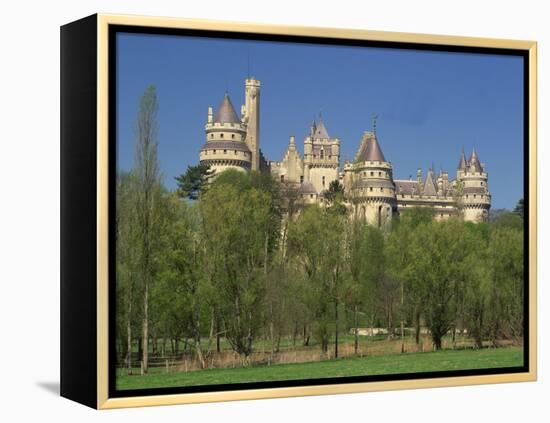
{"x":242,"y":259}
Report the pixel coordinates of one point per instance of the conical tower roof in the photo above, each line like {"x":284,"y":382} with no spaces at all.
{"x":474,"y":162}
{"x":226,"y":112}
{"x":462,"y":162}
{"x":371,"y":151}
{"x":429,"y":185}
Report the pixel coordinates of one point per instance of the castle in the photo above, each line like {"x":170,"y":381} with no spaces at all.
{"x":371,"y":191}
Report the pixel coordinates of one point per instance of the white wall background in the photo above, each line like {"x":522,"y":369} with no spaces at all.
{"x":29,"y":212}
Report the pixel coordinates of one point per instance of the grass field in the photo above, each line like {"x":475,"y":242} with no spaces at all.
{"x":374,"y":365}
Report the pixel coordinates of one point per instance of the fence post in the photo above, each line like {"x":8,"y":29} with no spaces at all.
{"x":141,"y":364}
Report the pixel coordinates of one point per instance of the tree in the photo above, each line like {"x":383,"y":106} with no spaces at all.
{"x":127,"y":259}
{"x":402,"y":266}
{"x":519,"y":208}
{"x":334,"y":192}
{"x":315,"y":241}
{"x":239,"y":237}
{"x":147,"y":198}
{"x":193,"y":182}
{"x":439,"y":251}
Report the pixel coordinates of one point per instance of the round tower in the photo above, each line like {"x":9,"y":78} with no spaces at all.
{"x":475,"y":199}
{"x":372,"y":186}
{"x":225,"y":146}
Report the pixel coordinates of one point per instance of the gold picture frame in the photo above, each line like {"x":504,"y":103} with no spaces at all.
{"x":96,"y":33}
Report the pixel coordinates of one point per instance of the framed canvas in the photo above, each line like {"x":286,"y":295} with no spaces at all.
{"x":366,"y":220}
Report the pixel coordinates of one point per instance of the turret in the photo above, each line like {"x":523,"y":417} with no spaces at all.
{"x":225,"y":134}
{"x":252,"y":108}
{"x":372,"y":186}
{"x":476,"y":199}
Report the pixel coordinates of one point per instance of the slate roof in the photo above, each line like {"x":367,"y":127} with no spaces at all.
{"x":226,"y":145}
{"x":226,"y":112}
{"x":371,"y":150}
{"x":474,"y":161}
{"x":429,"y":185}
{"x":307,"y":188}
{"x":380,"y":183}
{"x":406,"y":187}
{"x":474,"y":190}
{"x":462,"y":162}
{"x":319,"y":130}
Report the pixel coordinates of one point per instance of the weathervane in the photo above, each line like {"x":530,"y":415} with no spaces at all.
{"x":374,"y":118}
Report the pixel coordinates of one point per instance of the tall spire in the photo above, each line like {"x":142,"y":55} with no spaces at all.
{"x":474,"y":162}
{"x":462,"y":162}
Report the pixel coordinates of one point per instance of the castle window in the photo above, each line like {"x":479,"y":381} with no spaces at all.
{"x":221,"y":135}
{"x":322,"y":154}
{"x":214,"y":152}
{"x":323,"y":181}
{"x":381,"y":189}
{"x":329,"y":156}
{"x":379,"y":173}
{"x":370,"y":189}
{"x":481,"y":183}
{"x":301,"y":179}
{"x":211,"y":135}
{"x":224,"y":151}
{"x":235,"y":151}
{"x":372,"y":174}
{"x":474,"y":196}
{"x":232,"y":135}
{"x":282,"y":178}
{"x":310,"y":195}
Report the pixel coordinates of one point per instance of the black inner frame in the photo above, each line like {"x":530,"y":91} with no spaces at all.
{"x":112,"y":56}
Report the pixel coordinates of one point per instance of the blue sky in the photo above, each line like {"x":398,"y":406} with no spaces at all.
{"x":429,"y":104}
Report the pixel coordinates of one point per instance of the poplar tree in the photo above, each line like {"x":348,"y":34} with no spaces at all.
{"x":148,"y":190}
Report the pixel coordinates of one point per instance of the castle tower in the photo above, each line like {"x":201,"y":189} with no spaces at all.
{"x":252,"y":109}
{"x":225,"y":145}
{"x":370,"y":183}
{"x":476,"y":199}
{"x":321,"y":157}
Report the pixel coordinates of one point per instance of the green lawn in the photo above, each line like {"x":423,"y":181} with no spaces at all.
{"x":374,"y":365}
